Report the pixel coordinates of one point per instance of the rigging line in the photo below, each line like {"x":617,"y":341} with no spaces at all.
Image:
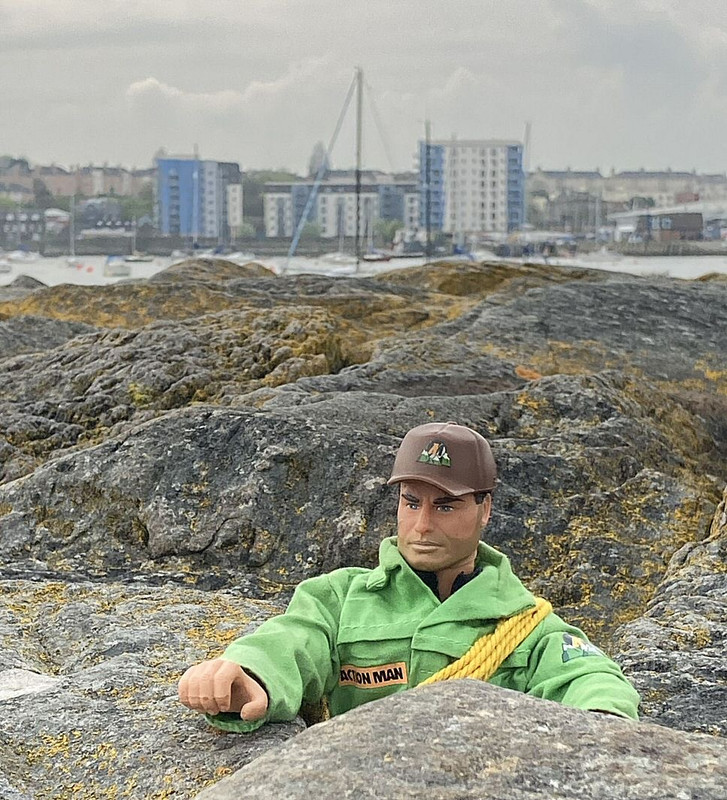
{"x":379,"y":126}
{"x":321,"y":172}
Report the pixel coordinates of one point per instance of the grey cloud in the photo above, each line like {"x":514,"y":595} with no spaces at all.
{"x":260,"y":81}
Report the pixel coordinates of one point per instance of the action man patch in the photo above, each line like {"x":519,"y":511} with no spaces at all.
{"x":374,"y":677}
{"x":575,"y":647}
{"x":435,"y":454}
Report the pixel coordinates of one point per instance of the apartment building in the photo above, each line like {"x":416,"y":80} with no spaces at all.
{"x":471,"y":186}
{"x":382,"y":196}
{"x":198,"y":198}
{"x":90,"y":181}
{"x":663,"y":187}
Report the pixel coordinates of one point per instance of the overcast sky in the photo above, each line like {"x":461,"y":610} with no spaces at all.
{"x":617,"y":84}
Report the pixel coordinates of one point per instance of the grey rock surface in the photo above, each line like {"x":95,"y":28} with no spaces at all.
{"x":19,"y":288}
{"x":466,"y":739}
{"x":674,"y":653}
{"x":108,"y":723}
{"x":596,"y":490}
{"x":209,"y":438}
{"x":28,"y":334}
{"x":16,"y":682}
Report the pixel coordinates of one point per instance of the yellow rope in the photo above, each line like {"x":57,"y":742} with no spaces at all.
{"x":488,"y":652}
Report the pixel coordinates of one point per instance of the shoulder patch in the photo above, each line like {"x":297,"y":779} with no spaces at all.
{"x":575,"y":647}
{"x":374,"y":677}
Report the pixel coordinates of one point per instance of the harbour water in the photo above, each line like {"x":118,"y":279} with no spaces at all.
{"x":92,"y":270}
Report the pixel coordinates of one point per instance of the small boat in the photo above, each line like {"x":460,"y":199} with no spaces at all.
{"x":116,"y":267}
{"x":374,"y":255}
{"x":337,"y":258}
{"x":138,"y":257}
{"x":22,"y":256}
{"x":5,"y":266}
{"x":241,"y":257}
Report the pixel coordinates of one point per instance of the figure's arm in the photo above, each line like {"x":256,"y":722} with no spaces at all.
{"x":564,"y":666}
{"x":291,"y":658}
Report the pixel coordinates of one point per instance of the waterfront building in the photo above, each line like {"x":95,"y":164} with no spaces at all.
{"x":471,"y":186}
{"x":89,"y":181}
{"x":198,"y":198}
{"x":690,"y":221}
{"x":660,"y":188}
{"x":22,"y":228}
{"x":580,"y":201}
{"x":382,"y":196}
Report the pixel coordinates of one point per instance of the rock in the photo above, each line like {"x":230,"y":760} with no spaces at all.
{"x":28,"y":334}
{"x":108,"y":723}
{"x":174,"y":451}
{"x":482,"y":742}
{"x":19,"y":288}
{"x":77,"y":393}
{"x":254,"y":497}
{"x":8,"y":792}
{"x":674,"y":653}
{"x":235,"y":497}
{"x":210,"y":268}
{"x":20,"y":682}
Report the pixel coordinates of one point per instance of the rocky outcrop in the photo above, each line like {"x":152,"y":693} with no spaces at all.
{"x":176,"y":452}
{"x":20,"y":287}
{"x":674,"y":652}
{"x":87,"y":690}
{"x":483,"y":743}
{"x":28,"y":334}
{"x":589,"y":510}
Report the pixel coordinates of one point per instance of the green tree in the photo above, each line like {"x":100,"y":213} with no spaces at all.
{"x":384,"y":230}
{"x":246,"y":230}
{"x":311,"y":230}
{"x":253,"y":184}
{"x":139,"y":206}
{"x":42,"y":197}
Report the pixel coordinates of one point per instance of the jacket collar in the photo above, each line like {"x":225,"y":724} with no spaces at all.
{"x":496,"y":587}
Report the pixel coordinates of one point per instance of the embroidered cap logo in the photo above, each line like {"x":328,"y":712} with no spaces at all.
{"x":435,"y":453}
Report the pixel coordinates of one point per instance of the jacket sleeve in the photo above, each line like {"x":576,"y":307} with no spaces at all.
{"x":293,"y":655}
{"x":564,"y":666}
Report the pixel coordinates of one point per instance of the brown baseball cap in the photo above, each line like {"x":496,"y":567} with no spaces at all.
{"x":452,"y":457}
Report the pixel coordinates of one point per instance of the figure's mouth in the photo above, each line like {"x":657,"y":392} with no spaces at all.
{"x":424,"y":546}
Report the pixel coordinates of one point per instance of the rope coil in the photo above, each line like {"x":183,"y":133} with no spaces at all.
{"x":486,"y":655}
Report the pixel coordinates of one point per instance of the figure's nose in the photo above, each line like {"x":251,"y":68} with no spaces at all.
{"x":424,"y":520}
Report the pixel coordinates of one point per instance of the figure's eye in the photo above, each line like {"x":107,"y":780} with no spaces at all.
{"x":445,"y":508}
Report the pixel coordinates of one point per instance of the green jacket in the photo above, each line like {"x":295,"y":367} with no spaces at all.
{"x":356,"y":635}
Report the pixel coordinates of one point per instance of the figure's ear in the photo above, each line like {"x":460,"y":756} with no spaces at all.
{"x":486,"y":509}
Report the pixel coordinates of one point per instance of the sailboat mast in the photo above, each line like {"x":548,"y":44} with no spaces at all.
{"x":428,"y":190}
{"x":359,"y":114}
{"x":72,"y":227}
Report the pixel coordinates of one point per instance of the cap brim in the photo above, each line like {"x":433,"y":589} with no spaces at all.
{"x":453,"y":490}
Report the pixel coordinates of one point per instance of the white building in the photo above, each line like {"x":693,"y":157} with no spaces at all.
{"x":471,"y":186}
{"x":382,"y":196}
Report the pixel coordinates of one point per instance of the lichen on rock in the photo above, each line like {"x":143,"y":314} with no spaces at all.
{"x":177,"y":454}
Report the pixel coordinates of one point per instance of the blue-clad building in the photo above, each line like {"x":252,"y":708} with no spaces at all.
{"x":198,"y":198}
{"x":431,"y":181}
{"x":469,"y":187}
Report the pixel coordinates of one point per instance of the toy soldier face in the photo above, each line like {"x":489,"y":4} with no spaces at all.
{"x":437,"y":531}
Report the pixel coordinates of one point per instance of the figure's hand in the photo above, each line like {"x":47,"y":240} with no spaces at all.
{"x":218,"y":685}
